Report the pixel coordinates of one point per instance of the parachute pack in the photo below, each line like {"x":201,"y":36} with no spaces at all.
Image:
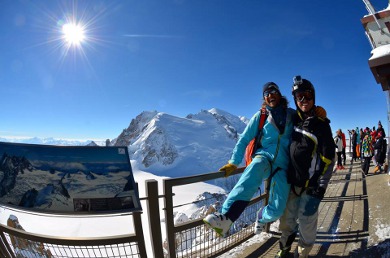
{"x":254,"y":143}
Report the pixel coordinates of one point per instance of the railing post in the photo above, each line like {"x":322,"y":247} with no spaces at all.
{"x":266,"y":184}
{"x":139,"y":233}
{"x":154,"y":217}
{"x":5,"y":249}
{"x":169,"y":220}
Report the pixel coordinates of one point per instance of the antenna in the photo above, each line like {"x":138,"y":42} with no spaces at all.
{"x":371,"y":11}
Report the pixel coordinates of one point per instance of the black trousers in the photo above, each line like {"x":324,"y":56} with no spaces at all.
{"x":343,"y":154}
{"x":366,"y":165}
{"x":339,"y":159}
{"x":354,"y":154}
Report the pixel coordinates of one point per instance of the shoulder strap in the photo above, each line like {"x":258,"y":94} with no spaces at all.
{"x":271,"y":175}
{"x":253,"y":144}
{"x":262,"y":118}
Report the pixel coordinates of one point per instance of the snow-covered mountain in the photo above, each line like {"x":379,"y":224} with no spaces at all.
{"x":168,"y":145}
{"x":173,"y":146}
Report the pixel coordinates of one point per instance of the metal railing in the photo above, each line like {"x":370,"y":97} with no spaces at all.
{"x":188,"y":239}
{"x":17,"y":243}
{"x":193,"y":238}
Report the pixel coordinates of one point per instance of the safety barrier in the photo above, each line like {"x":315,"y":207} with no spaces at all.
{"x":188,"y":239}
{"x":17,"y":243}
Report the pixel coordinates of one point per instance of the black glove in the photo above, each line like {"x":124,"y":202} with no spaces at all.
{"x":317,"y":192}
{"x":315,"y":196}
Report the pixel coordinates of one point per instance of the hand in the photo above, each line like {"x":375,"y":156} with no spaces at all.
{"x":228,"y":168}
{"x":320,"y":112}
{"x":311,"y":206}
{"x":315,"y":196}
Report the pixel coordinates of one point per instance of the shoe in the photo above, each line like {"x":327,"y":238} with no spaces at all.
{"x":302,"y":252}
{"x":341,"y":167}
{"x":218,"y":222}
{"x":377,"y":168}
{"x":283,"y":253}
{"x":259,"y":227}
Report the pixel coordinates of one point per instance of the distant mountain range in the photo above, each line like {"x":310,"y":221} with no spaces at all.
{"x":172,"y":146}
{"x":53,"y":141}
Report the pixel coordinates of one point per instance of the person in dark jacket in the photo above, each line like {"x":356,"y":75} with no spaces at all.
{"x":367,"y":151}
{"x":380,"y":147}
{"x":312,"y":153}
{"x":354,"y":144}
{"x":339,"y":149}
{"x":380,"y":129}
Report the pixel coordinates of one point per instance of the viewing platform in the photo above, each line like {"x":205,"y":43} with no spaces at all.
{"x":353,"y":219}
{"x":353,"y":222}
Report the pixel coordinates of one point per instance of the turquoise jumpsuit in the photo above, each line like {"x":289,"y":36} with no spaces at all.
{"x":272,"y":154}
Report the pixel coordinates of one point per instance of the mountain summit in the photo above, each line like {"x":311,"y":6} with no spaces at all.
{"x":174,"y":146}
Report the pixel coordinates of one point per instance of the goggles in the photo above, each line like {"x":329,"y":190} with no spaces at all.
{"x":303,"y":95}
{"x":271,"y":91}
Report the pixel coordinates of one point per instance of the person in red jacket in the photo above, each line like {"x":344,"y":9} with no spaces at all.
{"x":344,"y":146}
{"x":373,"y":135}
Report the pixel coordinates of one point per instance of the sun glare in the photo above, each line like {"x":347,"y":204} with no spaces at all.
{"x":73,"y":29}
{"x":73,"y":34}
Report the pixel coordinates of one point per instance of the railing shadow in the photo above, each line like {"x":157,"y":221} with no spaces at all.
{"x":332,"y":236}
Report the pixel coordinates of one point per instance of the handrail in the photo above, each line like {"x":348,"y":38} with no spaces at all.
{"x":197,"y":224}
{"x":14,"y":241}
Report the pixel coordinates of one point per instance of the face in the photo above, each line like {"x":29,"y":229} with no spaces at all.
{"x":305,"y":100}
{"x":272,"y":98}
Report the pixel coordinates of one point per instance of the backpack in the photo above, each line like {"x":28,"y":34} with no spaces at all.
{"x":254,"y":143}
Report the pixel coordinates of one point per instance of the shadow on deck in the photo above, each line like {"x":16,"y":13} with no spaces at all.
{"x":354,"y":210}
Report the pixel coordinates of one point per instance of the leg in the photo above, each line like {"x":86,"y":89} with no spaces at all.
{"x":246,"y":187}
{"x":240,"y":196}
{"x":278,"y":195}
{"x":288,"y":224}
{"x":344,"y":157}
{"x":374,"y":159}
{"x":307,"y":228}
{"x":366,"y":165}
{"x":354,"y":152}
{"x":339,"y":159}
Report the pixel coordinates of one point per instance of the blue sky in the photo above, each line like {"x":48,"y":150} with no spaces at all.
{"x":178,"y":57}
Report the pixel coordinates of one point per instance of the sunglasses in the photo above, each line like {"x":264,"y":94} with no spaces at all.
{"x":268,"y":92}
{"x":303,"y":95}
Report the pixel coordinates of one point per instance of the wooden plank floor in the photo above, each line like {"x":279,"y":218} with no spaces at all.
{"x":353,"y":208}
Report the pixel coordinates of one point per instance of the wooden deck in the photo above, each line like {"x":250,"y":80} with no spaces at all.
{"x":354,"y":209}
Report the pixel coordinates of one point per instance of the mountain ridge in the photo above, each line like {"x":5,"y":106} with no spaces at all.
{"x":169,"y":145}
{"x":172,"y":146}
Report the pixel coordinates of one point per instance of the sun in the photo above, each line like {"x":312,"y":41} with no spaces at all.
{"x":73,"y":34}
{"x":73,"y":30}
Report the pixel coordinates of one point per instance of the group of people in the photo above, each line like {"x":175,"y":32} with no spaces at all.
{"x":295,"y":151}
{"x":369,"y":145}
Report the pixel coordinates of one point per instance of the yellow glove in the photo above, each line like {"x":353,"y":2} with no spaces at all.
{"x":228,"y":168}
{"x":320,"y":112}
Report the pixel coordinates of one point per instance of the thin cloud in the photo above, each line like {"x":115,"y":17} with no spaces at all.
{"x":150,"y":36}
